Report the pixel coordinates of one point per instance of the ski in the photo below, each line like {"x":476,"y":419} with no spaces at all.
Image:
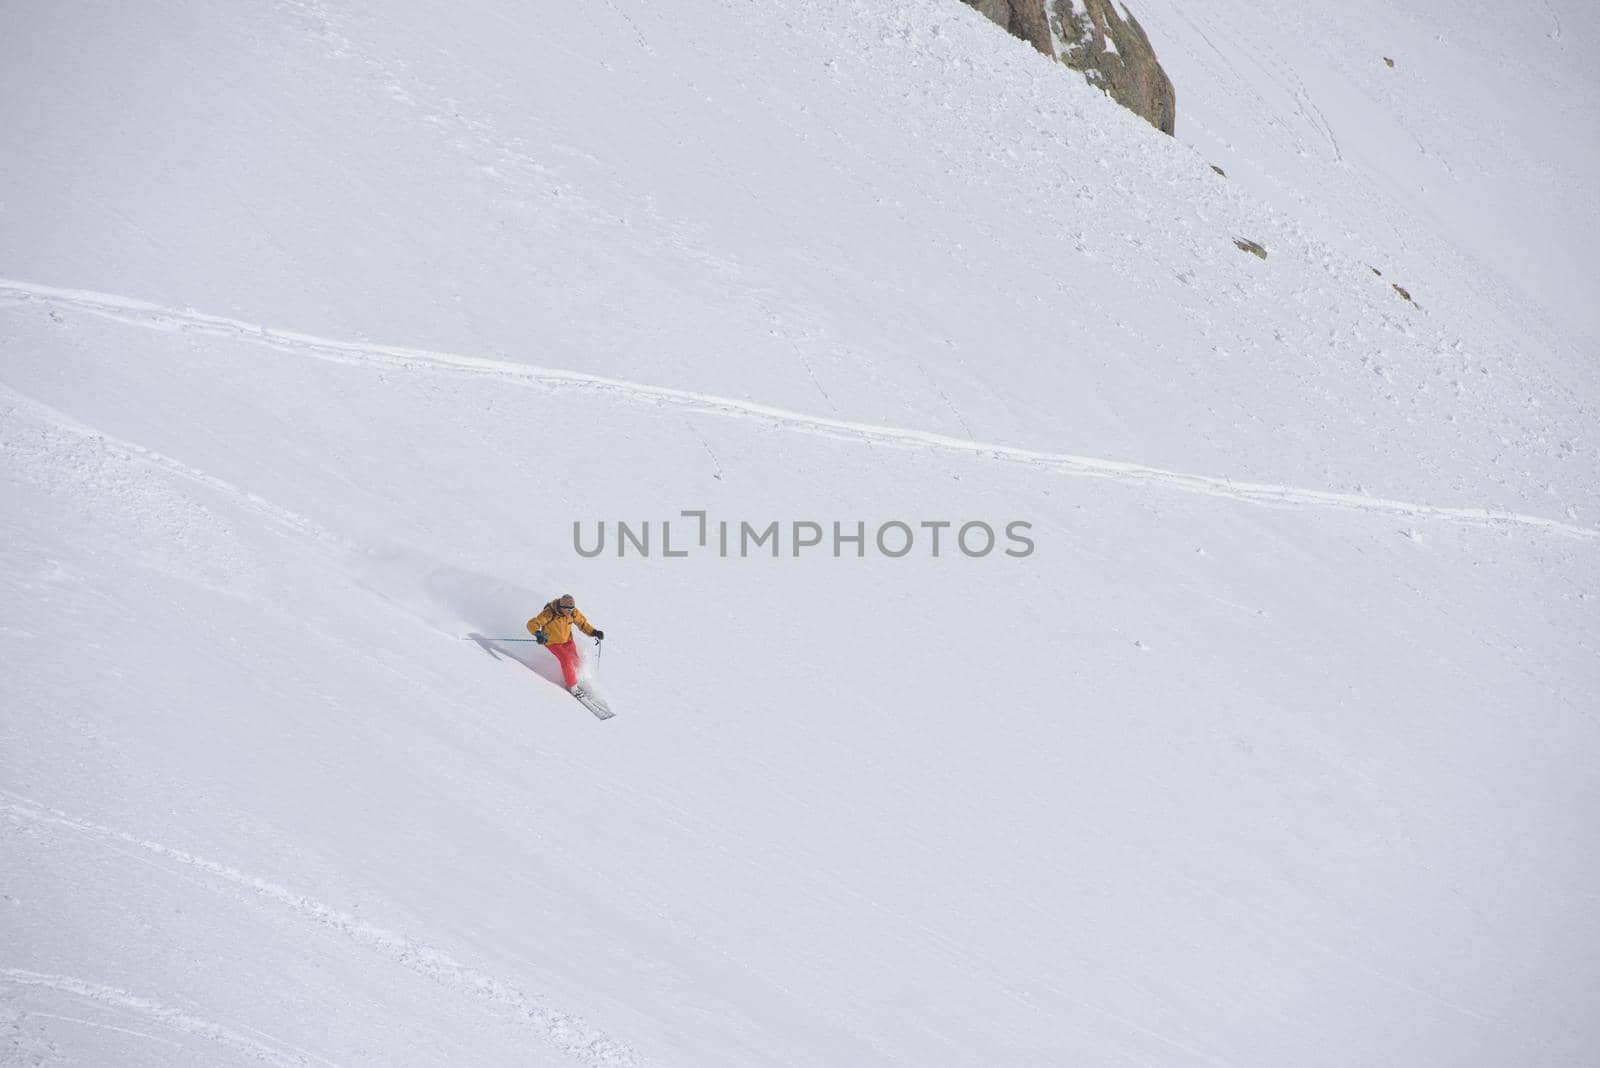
{"x":592,"y":701}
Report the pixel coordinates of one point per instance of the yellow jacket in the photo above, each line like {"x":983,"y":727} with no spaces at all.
{"x":557,"y":627}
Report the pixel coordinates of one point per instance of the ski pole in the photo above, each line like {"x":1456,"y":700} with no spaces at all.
{"x":485,"y":638}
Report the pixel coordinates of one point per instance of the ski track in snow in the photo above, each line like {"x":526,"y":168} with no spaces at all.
{"x":562,"y":1030}
{"x":394,"y":358}
{"x":72,"y":428}
{"x":175,"y":1019}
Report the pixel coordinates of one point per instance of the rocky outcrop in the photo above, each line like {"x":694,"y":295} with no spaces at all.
{"x":1021,"y":18}
{"x":1111,"y":50}
{"x":1114,"y":54}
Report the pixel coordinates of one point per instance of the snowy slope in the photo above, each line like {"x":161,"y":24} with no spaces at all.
{"x":321,"y":326}
{"x":1463,"y":166}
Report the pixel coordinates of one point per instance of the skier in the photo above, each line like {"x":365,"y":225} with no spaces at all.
{"x":552,"y":628}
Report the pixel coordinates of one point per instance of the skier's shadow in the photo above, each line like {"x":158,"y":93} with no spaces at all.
{"x":529,"y":656}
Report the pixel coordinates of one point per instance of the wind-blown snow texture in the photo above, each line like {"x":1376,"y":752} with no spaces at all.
{"x":321,"y":323}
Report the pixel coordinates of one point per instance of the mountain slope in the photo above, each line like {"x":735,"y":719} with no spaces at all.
{"x":325,"y":324}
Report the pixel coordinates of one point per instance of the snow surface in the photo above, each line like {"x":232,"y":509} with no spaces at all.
{"x":321,"y":323}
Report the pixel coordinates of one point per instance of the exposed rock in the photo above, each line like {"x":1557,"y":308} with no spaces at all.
{"x":1389,"y":61}
{"x":1114,"y":54}
{"x":1219,"y":170}
{"x":1111,"y":51}
{"x":1020,"y":18}
{"x":1404,"y":293}
{"x":1257,"y":250}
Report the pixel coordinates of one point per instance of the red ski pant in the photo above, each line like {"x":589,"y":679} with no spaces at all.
{"x":567,"y":653}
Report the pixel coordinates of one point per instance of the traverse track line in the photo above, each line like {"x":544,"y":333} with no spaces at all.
{"x":396,"y":358}
{"x":562,"y":1030}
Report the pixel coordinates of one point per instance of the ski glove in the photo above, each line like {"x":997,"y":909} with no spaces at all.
{"x":540,"y":637}
{"x":599,"y":634}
